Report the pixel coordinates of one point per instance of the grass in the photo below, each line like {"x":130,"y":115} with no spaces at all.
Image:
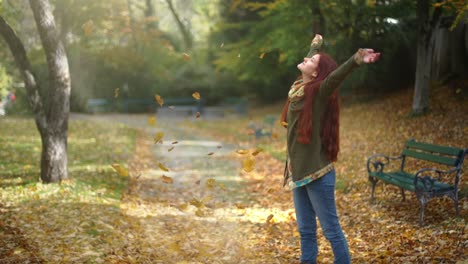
{"x":36,"y":215}
{"x":92,"y":148}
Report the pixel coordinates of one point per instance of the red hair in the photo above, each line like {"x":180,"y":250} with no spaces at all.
{"x":329,"y":120}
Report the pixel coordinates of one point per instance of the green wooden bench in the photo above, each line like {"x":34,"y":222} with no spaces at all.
{"x":426,"y":183}
{"x":99,"y":105}
{"x":266,"y":128}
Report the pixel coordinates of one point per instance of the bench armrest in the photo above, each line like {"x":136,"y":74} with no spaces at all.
{"x":427,"y":180}
{"x":377,"y":162}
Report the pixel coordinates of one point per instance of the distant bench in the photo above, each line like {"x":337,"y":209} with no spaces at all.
{"x":99,"y":105}
{"x":126,"y":105}
{"x":423,"y":182}
{"x":181,"y":106}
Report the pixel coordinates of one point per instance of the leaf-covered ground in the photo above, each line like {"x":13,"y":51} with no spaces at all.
{"x":387,"y":231}
{"x":206,"y":208}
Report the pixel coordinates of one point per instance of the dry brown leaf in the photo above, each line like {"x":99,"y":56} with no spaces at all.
{"x":196,"y":95}
{"x":159,"y":100}
{"x":167,"y":179}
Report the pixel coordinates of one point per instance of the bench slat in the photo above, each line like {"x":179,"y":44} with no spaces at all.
{"x":406,"y":181}
{"x":430,"y":157}
{"x":434,"y":148}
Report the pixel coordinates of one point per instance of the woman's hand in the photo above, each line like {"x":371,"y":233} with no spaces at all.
{"x":317,"y":39}
{"x":366,"y":56}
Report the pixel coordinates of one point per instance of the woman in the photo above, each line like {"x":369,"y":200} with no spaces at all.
{"x":312,"y":117}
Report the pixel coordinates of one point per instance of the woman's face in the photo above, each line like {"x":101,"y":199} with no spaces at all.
{"x":310,"y":65}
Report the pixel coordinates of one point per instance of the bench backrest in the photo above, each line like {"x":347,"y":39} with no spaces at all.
{"x":445,"y":155}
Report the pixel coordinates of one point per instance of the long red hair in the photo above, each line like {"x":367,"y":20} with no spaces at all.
{"x":329,"y":121}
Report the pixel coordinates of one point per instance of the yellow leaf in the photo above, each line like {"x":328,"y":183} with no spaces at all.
{"x":274,"y":135}
{"x":284,"y":124}
{"x":116,"y":92}
{"x":196,"y":95}
{"x":167,"y":179}
{"x":162,"y":167}
{"x":159,"y":100}
{"x":262,"y":55}
{"x":158,"y":137}
{"x":210,"y":183}
{"x":152,"y":121}
{"x":258,"y":150}
{"x":186,"y":56}
{"x":241,"y":151}
{"x":120,"y":170}
{"x":197,"y":203}
{"x":88,"y":28}
{"x":248,"y":165}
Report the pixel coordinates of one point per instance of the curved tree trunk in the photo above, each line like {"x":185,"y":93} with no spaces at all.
{"x":53,"y":125}
{"x":54,"y":162}
{"x":183,"y":29}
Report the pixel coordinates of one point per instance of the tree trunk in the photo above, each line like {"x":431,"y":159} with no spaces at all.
{"x":54,"y":139}
{"x":183,"y":29}
{"x":318,"y":21}
{"x":425,"y":48}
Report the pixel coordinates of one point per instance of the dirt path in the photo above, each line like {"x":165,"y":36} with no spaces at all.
{"x":206,"y":215}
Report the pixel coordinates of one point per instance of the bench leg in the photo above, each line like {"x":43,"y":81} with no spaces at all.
{"x":373,"y":182}
{"x":403,"y":194}
{"x":454,"y":197}
{"x":423,"y":199}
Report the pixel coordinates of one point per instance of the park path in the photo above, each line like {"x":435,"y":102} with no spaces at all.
{"x":205,"y":215}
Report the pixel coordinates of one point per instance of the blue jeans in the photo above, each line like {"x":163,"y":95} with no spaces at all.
{"x":317,"y":199}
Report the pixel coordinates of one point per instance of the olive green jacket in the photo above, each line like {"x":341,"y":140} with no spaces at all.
{"x":310,"y":160}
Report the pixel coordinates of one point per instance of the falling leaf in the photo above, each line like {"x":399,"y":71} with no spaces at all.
{"x":159,"y":100}
{"x":248,"y":165}
{"x":269,"y":218}
{"x":238,"y":56}
{"x":219,"y":146}
{"x":274,"y":135}
{"x":116,"y":92}
{"x":152,"y":121}
{"x":88,"y":28}
{"x":197,"y":203}
{"x":174,"y":142}
{"x":122,"y":171}
{"x":242,"y":151}
{"x":197,"y":115}
{"x":211,"y":153}
{"x":196,"y":95}
{"x":167,"y":179}
{"x":186,"y":56}
{"x":258,"y":150}
{"x":158,"y":137}
{"x":170,"y":149}
{"x":285,"y":124}
{"x":458,"y":91}
{"x":222,"y":45}
{"x":210,"y":183}
{"x":262,"y":55}
{"x":162,"y":167}
{"x":171,"y":107}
